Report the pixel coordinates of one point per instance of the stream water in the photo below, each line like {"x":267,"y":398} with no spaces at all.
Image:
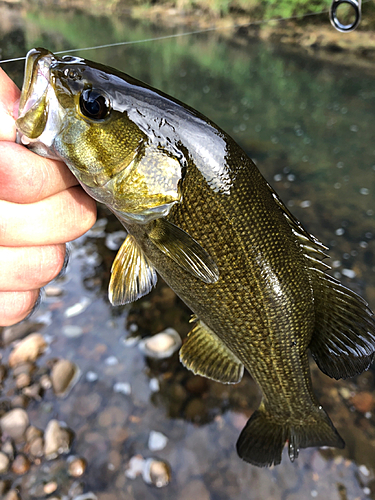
{"x":309,"y":125}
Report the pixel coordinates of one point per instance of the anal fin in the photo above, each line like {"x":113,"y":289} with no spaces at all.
{"x":204,"y":354}
{"x":343,"y":342}
{"x":132,"y":275}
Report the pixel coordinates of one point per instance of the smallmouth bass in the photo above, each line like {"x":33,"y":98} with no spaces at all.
{"x":198,"y":212}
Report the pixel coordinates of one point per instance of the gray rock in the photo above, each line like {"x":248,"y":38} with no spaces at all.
{"x":57,"y":439}
{"x":14,"y":423}
{"x":63,"y":377}
{"x":4,"y":462}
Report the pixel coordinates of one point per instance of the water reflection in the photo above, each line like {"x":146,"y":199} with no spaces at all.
{"x":309,"y":125}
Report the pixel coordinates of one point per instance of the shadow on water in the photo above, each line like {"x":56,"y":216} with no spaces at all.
{"x":309,"y":126}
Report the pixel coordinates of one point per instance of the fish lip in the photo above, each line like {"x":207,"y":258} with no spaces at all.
{"x":42,"y":59}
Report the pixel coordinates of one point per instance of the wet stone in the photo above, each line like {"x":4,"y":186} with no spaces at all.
{"x":4,"y":462}
{"x":77,"y":466}
{"x":29,"y":349}
{"x":162,"y":345}
{"x":20,"y":465}
{"x":12,"y":495}
{"x":57,"y":439}
{"x":19,"y":331}
{"x":363,"y":401}
{"x":8,"y":449}
{"x":36,"y":447}
{"x":156,"y":472}
{"x":23,"y":380}
{"x":64,"y":375}
{"x":14,"y":423}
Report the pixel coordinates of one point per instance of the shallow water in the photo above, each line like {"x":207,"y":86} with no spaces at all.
{"x":308,"y":123}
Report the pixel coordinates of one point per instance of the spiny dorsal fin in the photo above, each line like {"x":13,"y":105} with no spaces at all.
{"x":184,"y":250}
{"x":132,"y":275}
{"x":343,"y":342}
{"x":313,"y":249}
{"x":204,"y":354}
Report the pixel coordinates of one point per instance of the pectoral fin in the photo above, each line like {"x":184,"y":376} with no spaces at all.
{"x":204,"y":354}
{"x":132,"y":274}
{"x":184,"y":250}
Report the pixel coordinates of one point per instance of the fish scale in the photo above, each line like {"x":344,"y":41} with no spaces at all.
{"x":199,"y":213}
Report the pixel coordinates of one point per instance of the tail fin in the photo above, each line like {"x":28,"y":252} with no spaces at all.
{"x":262,"y":440}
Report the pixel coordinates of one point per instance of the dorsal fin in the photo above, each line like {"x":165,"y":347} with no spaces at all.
{"x":313,"y":249}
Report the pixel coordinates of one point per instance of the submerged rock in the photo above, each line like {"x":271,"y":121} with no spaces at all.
{"x":156,"y":472}
{"x":14,"y":423}
{"x":57,"y":439}
{"x":28,"y":349}
{"x":77,"y":466}
{"x":4,"y":463}
{"x":63,"y":377}
{"x":162,"y":345}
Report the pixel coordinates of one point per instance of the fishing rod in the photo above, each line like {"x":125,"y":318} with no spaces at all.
{"x":333,"y":15}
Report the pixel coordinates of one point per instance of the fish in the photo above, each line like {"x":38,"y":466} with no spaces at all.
{"x":199,"y":213}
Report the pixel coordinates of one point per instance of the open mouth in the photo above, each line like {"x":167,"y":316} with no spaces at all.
{"x":33,"y":108}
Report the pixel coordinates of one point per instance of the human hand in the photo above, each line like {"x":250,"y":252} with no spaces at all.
{"x":41,"y":208}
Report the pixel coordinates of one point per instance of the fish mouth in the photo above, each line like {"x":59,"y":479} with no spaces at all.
{"x":36,"y":96}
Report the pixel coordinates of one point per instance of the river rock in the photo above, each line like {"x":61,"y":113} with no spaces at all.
{"x":77,"y":466}
{"x":21,"y":464}
{"x":64,"y":375}
{"x":162,"y":345}
{"x":4,"y":462}
{"x":28,"y":349}
{"x":14,"y":423}
{"x":156,"y":472}
{"x":57,"y":439}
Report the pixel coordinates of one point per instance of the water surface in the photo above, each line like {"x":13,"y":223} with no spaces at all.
{"x":308,"y":124}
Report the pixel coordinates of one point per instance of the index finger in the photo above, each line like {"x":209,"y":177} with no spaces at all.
{"x":9,"y":97}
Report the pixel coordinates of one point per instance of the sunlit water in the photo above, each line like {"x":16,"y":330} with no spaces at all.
{"x":309,"y":126}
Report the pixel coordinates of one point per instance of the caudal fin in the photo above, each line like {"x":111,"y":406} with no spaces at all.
{"x":262,"y":440}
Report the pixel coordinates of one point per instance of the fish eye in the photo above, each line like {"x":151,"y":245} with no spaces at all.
{"x":94,"y":104}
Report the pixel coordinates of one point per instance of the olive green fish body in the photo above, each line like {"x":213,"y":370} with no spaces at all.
{"x":198,"y":212}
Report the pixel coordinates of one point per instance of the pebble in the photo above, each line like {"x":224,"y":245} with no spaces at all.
{"x":20,"y":465}
{"x":28,"y":349}
{"x":157,"y":473}
{"x":363,"y":401}
{"x":23,"y":380}
{"x":8,"y":449}
{"x":63,"y":377}
{"x":50,"y":487}
{"x":157,"y":441}
{"x":72,"y":331}
{"x":36,"y":447}
{"x":162,"y":345}
{"x":57,"y":439}
{"x":14,"y":423}
{"x":91,"y":376}
{"x":11,"y":495}
{"x":135,"y":467}
{"x":4,"y":462}
{"x":123,"y":388}
{"x":77,"y":466}
{"x":53,"y":291}
{"x":77,"y":308}
{"x":19,"y":331}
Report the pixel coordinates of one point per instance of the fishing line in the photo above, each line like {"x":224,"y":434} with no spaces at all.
{"x":177,"y":35}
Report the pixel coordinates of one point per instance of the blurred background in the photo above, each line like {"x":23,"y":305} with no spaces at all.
{"x":96,"y":413}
